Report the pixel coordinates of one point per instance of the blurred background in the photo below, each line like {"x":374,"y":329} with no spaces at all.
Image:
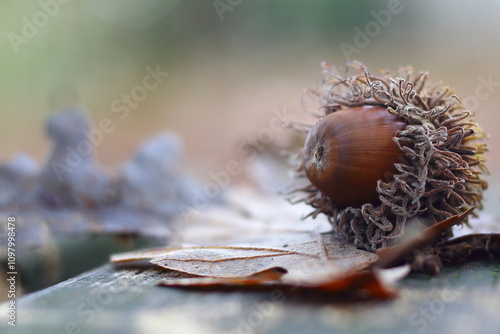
{"x":230,"y":64}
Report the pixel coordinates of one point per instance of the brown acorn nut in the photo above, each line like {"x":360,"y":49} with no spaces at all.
{"x":348,"y":151}
{"x":389,"y":151}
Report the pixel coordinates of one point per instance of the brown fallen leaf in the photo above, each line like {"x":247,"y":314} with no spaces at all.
{"x":228,"y":261}
{"x":311,"y":258}
{"x":281,"y":256}
{"x":350,"y":285}
{"x":392,"y":256}
{"x":253,"y":232}
{"x":483,"y":246}
{"x":261,"y":245}
{"x":267,"y":275}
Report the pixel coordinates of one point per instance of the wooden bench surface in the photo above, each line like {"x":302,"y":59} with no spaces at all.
{"x":463,"y":299}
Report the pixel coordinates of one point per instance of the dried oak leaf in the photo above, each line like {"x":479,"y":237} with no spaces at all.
{"x":391,"y":256}
{"x":262,"y":244}
{"x":470,"y":247}
{"x":350,"y":285}
{"x":313,"y":258}
{"x":319,"y":265}
{"x":286,"y":257}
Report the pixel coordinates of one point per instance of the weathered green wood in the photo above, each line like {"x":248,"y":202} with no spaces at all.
{"x":464,"y":299}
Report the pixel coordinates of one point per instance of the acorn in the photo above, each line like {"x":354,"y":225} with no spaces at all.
{"x":388,"y":152}
{"x":348,"y":151}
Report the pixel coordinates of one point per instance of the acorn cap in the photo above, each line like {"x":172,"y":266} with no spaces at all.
{"x":438,"y":173}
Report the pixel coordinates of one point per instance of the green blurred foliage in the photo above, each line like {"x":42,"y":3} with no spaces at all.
{"x":89,"y":42}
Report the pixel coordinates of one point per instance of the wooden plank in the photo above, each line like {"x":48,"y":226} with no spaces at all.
{"x":463,"y":299}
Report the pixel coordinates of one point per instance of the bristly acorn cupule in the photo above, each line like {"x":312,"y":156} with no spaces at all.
{"x":389,"y":151}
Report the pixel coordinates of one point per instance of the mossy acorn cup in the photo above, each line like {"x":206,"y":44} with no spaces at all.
{"x":388,"y":151}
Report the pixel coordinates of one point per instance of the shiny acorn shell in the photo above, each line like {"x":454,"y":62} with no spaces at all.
{"x":349,"y":150}
{"x":373,"y":124}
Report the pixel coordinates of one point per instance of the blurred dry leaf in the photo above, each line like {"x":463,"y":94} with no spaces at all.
{"x":350,"y":285}
{"x":322,"y":264}
{"x":248,"y":245}
{"x":268,"y":275}
{"x":261,"y":243}
{"x":469,"y":247}
{"x":390,"y":256}
{"x":315,"y":257}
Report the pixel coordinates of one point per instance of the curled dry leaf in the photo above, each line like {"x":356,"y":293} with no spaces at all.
{"x":391,"y":256}
{"x":267,"y":275}
{"x":230,"y":261}
{"x":286,"y":256}
{"x":314,"y":258}
{"x":257,"y":255}
{"x":470,"y":247}
{"x":350,"y":285}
